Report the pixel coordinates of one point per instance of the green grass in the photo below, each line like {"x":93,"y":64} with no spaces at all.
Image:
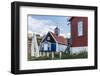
{"x":75,"y":56}
{"x":80,"y":55}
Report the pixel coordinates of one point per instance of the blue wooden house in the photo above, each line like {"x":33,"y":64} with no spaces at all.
{"x":53,"y":42}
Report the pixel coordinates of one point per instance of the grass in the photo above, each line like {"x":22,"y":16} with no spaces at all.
{"x":75,"y":56}
{"x":80,"y":55}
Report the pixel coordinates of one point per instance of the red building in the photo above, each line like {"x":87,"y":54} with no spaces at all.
{"x":79,"y":33}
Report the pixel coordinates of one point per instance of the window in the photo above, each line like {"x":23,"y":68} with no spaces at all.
{"x":48,"y":38}
{"x":45,"y":46}
{"x":80,"y":28}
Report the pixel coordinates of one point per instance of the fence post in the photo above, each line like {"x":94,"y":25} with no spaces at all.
{"x":40,"y":53}
{"x":43,"y":53}
{"x":52,"y":55}
{"x":47,"y":54}
{"x":60,"y":54}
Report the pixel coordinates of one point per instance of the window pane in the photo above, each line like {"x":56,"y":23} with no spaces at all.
{"x":45,"y":46}
{"x":80,"y":28}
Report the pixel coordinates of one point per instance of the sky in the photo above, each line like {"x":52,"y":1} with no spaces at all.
{"x":42,"y":24}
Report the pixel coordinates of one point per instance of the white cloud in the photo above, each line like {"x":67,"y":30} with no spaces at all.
{"x":63,"y":35}
{"x":68,"y":35}
{"x":40,"y":26}
{"x":43,"y":26}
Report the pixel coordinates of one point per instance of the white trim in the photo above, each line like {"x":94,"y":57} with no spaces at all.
{"x":46,"y":36}
{"x":53,"y":37}
{"x":43,"y":39}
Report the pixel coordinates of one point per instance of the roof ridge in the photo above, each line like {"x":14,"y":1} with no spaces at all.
{"x":59,"y":39}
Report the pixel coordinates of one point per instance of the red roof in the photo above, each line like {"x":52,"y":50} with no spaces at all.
{"x":59,"y":39}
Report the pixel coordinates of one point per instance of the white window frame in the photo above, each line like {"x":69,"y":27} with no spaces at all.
{"x":80,"y":28}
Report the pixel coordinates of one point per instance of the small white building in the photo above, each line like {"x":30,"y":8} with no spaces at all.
{"x":34,"y":47}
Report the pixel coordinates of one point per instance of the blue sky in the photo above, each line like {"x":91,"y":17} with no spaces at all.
{"x":41,"y":24}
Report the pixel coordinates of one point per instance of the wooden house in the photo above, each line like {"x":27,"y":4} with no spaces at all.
{"x":79,"y":34}
{"x":53,"y":42}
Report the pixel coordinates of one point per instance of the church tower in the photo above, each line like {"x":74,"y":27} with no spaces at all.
{"x":57,"y":31}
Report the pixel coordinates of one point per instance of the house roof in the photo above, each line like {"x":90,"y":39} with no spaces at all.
{"x":71,"y":18}
{"x":59,"y":39}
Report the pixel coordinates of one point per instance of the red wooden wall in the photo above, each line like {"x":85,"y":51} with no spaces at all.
{"x":79,"y":41}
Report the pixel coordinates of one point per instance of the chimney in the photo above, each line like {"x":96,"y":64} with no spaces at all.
{"x":57,"y":31}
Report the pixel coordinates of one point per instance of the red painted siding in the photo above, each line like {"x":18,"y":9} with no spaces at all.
{"x":78,"y":41}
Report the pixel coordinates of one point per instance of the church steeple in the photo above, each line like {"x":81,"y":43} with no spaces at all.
{"x":57,"y":31}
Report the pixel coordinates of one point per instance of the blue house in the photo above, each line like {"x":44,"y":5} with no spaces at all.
{"x":53,"y":42}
